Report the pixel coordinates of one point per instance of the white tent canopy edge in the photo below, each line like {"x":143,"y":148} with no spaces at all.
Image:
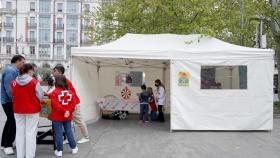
{"x":191,"y":107}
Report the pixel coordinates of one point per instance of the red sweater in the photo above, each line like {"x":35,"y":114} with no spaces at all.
{"x":152,"y":104}
{"x":62,"y":101}
{"x":71,"y":87}
{"x":25,"y":100}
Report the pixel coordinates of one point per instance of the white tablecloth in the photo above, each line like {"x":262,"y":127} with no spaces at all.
{"x":130,"y":105}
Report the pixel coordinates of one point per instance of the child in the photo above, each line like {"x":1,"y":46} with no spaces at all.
{"x":63,"y":104}
{"x":144,"y":98}
{"x":152,"y":104}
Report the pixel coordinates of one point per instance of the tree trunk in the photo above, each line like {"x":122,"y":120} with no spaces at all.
{"x":277,"y":58}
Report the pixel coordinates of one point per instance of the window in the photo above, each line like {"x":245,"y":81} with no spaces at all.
{"x":44,"y":50}
{"x":44,"y":35}
{"x":60,"y":22}
{"x":9,"y":20}
{"x":32,"y":20}
{"x":59,"y":35}
{"x":72,"y":22}
{"x":32,"y":50}
{"x":72,"y":36}
{"x":32,"y":6}
{"x":59,"y":52}
{"x":72,"y":7}
{"x":59,"y":7}
{"x":32,"y":35}
{"x":9,"y":5}
{"x":86,"y":7}
{"x":45,"y":6}
{"x":9,"y":34}
{"x":9,"y":49}
{"x":44,"y":21}
{"x":224,"y":77}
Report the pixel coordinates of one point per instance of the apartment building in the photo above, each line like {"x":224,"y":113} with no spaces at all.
{"x":44,"y":30}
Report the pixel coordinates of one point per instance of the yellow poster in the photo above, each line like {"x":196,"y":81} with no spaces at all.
{"x":184,"y":78}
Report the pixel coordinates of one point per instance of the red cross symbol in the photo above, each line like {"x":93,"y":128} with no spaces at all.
{"x":64,"y":98}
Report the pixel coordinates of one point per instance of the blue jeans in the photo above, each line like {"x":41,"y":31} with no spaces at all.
{"x":58,"y":133}
{"x":153,"y":115}
{"x":144,"y":109}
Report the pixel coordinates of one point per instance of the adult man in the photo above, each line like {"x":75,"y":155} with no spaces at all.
{"x":10,"y":73}
{"x":77,"y":118}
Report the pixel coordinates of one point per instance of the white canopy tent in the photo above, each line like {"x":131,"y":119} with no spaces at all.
{"x":213,"y":85}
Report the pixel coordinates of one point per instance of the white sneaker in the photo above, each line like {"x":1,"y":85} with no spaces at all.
{"x":65,"y":142}
{"x":83,"y":140}
{"x":58,"y":153}
{"x":75,"y":151}
{"x":9,"y":151}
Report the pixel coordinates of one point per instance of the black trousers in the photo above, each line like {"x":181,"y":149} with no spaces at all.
{"x":160,"y":113}
{"x":9,"y":131}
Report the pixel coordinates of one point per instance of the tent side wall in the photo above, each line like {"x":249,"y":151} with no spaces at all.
{"x":194,"y":108}
{"x":85,"y":80}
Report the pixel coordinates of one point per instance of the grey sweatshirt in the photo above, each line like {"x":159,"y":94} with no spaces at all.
{"x":25,"y":79}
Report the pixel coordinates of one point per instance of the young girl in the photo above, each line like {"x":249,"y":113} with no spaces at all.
{"x":63,"y":104}
{"x":152,"y":104}
{"x":27,"y":94}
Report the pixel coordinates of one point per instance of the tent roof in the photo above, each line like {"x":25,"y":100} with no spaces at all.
{"x":171,"y":46}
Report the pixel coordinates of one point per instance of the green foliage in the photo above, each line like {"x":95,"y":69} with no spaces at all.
{"x":218,"y":18}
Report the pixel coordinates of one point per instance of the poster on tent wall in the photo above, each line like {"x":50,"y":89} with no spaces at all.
{"x":184,"y":78}
{"x":133,"y":78}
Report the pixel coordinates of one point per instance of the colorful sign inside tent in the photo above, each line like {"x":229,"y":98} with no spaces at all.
{"x":184,"y":78}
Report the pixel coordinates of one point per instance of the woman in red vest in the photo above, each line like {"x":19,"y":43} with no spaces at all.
{"x":27,"y":95}
{"x":63,"y":105}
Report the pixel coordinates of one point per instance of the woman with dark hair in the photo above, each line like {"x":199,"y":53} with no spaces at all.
{"x":160,"y":99}
{"x":63,"y":105}
{"x":27,"y":95}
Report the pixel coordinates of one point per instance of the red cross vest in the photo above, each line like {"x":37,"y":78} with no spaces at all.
{"x":25,"y":100}
{"x":62,"y":101}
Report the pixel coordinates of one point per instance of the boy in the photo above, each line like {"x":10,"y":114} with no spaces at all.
{"x":144,"y":98}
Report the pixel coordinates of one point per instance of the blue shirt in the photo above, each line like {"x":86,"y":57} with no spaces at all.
{"x":144,"y":97}
{"x":10,"y":73}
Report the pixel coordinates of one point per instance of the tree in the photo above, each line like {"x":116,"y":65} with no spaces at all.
{"x":218,"y":18}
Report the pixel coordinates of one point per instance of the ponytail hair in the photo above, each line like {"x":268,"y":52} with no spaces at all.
{"x":26,"y":68}
{"x":61,"y":82}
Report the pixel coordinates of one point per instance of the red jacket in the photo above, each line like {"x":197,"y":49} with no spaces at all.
{"x":71,"y":87}
{"x":62,"y":101}
{"x":152,"y":104}
{"x":25,"y":100}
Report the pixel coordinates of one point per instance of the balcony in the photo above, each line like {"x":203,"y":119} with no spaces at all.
{"x":59,"y":40}
{"x":58,"y":57}
{"x":86,"y":42}
{"x":30,"y":56}
{"x":43,"y":55}
{"x":31,"y":40}
{"x":8,"y":39}
{"x":7,"y":11}
{"x":59,"y":26}
{"x":32,"y":25}
{"x":9,"y":25}
{"x":86,"y":27}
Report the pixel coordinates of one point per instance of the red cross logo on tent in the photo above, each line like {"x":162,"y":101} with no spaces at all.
{"x":64,"y":98}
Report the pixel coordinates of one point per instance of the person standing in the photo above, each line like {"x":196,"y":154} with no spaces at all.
{"x":27,"y":96}
{"x":59,"y":70}
{"x":152,"y":104}
{"x":160,"y":99}
{"x":144,"y":98}
{"x":10,"y":73}
{"x":63,"y":105}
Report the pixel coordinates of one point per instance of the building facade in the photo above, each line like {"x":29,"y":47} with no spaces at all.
{"x":44,"y":30}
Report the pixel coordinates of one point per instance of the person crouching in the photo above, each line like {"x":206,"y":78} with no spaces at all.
{"x":27,"y":94}
{"x":63,"y":105}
